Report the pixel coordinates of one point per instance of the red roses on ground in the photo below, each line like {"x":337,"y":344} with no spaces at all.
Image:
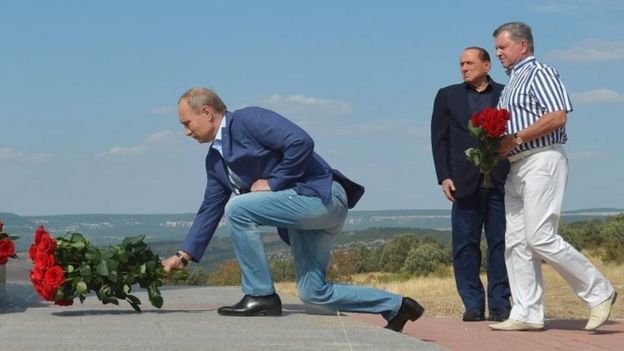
{"x":487,"y":127}
{"x":70,"y":267}
{"x":7,"y":247}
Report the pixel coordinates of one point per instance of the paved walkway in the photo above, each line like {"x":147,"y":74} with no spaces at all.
{"x":187,"y":321}
{"x":476,"y":336}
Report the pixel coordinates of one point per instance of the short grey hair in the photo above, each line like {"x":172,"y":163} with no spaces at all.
{"x":519,"y":31}
{"x":198,"y":97}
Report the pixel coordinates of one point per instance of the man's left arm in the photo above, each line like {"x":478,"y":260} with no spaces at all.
{"x":552,"y":97}
{"x":547,"y":123}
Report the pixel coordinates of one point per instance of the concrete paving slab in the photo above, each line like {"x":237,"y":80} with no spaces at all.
{"x":188,"y":320}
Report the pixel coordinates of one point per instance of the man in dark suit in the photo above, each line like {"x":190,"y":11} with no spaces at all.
{"x":474,"y":207}
{"x":278,"y":180}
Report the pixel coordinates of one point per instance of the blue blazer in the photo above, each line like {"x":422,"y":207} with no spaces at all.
{"x":260,"y":144}
{"x":450,"y":139}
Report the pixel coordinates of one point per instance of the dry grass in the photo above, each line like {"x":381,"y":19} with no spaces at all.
{"x":439,"y":296}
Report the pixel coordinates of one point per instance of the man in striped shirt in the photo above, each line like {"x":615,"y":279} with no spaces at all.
{"x":535,"y":187}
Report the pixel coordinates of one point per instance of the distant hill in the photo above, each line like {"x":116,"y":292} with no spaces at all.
{"x":106,"y":229}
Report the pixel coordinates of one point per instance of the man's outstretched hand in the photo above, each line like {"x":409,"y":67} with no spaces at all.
{"x":175,"y":262}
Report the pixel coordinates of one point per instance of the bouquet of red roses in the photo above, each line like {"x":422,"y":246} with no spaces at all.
{"x":488,"y":128}
{"x":71,"y":267}
{"x":7,"y":247}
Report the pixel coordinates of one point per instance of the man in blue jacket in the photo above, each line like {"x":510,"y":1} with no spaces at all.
{"x":474,"y":207}
{"x":268,"y":163}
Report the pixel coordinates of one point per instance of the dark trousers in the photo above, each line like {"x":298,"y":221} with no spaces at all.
{"x":484,"y":210}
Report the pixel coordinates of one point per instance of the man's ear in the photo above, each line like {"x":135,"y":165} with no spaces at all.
{"x":207,"y":111}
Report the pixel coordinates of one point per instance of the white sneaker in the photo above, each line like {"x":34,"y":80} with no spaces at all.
{"x":600,"y":313}
{"x":514,"y":325}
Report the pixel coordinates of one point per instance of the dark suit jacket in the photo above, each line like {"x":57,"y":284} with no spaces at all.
{"x":261,"y":144}
{"x":450,"y":139}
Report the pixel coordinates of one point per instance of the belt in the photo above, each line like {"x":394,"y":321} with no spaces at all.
{"x":524,"y":154}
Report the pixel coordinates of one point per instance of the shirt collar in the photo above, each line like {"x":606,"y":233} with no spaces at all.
{"x":218,"y":136}
{"x":217,"y":141}
{"x":487,"y":88}
{"x":520,"y":64}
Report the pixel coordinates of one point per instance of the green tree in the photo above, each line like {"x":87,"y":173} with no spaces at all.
{"x":425,"y":258}
{"x":395,"y":252}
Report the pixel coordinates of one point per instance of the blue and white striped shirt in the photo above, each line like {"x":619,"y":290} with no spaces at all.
{"x":533,"y":90}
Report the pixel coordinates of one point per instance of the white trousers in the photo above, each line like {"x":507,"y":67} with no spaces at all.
{"x":533,"y":197}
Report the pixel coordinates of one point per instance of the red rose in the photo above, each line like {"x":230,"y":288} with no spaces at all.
{"x":46,"y":292}
{"x":64,"y":302}
{"x":54,"y":277}
{"x":7,"y":248}
{"x":44,"y":261}
{"x":39,"y":233}
{"x":36,"y":276}
{"x":46,"y":244}
{"x":32,"y":252}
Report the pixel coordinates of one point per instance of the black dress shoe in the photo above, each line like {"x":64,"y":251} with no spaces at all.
{"x":499,"y":314}
{"x":410,"y":309}
{"x":269,"y":305}
{"x":473,"y":315}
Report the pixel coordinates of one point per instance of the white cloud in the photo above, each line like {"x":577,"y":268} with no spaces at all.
{"x":590,"y":50}
{"x":124,"y":150}
{"x":597,"y":96}
{"x":164,"y":110}
{"x":160,"y":137}
{"x":306,"y":106}
{"x":153,"y":140}
{"x":9,"y":154}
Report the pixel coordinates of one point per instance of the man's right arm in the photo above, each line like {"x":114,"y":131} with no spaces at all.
{"x":440,"y":137}
{"x":207,"y":219}
{"x":204,"y":225}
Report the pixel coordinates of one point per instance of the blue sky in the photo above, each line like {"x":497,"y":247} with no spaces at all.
{"x":88,"y":92}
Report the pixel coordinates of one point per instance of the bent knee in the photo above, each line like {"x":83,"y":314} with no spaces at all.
{"x":314,"y":293}
{"x":235,"y":209}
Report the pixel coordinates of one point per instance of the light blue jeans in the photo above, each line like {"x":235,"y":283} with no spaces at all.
{"x":312,"y":227}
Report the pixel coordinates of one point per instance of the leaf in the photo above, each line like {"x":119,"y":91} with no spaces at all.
{"x":154,"y":296}
{"x":102,"y":268}
{"x":112,"y":275}
{"x":79,"y":245}
{"x":110,"y":299}
{"x":133,"y":240}
{"x":133,"y":298}
{"x":157,"y":301}
{"x":85,"y":272}
{"x":130,"y":279}
{"x":123,"y":256}
{"x":134,"y":304}
{"x":112,"y":264}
